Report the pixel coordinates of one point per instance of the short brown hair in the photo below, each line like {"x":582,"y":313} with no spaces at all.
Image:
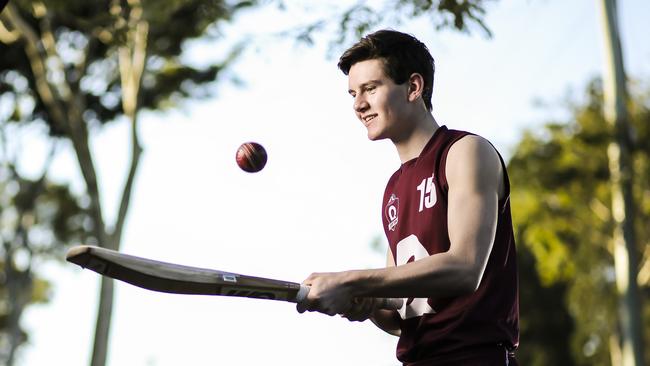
{"x":401,"y":53}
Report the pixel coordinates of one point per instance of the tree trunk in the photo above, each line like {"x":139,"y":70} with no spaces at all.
{"x":103,"y":325}
{"x":19,"y":286}
{"x":620,"y":157}
{"x":132,"y":57}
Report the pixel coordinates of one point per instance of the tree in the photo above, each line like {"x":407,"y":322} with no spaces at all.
{"x":621,"y":171}
{"x":545,"y":322}
{"x":350,"y":23}
{"x":74,"y":65}
{"x":563,"y":214}
{"x":36,"y":217}
{"x":77,"y":65}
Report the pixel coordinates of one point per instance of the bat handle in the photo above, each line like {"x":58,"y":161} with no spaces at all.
{"x":384,"y":303}
{"x":302,"y":293}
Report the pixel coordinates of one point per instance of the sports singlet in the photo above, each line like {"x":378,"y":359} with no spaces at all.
{"x":415,"y":223}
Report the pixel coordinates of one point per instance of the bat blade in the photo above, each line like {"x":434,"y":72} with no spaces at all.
{"x":179,"y":279}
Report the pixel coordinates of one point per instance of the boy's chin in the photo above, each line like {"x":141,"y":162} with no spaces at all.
{"x":374,"y":135}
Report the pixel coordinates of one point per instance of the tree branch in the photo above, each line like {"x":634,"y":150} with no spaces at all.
{"x":71,"y":122}
{"x":49,"y":47}
{"x":36,"y":58}
{"x":132,"y":63}
{"x":7,"y":36}
{"x":136,"y":151}
{"x":643,"y":276}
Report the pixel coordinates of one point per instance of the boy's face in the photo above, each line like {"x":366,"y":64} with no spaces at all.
{"x":379,"y":103}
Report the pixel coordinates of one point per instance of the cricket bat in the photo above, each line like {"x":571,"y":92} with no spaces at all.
{"x":180,"y":279}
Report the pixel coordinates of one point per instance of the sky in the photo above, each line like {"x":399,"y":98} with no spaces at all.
{"x":316,"y":205}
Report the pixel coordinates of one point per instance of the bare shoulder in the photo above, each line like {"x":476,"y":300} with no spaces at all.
{"x":473,"y":147}
{"x":472,"y":162}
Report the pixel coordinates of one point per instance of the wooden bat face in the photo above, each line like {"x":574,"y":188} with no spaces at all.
{"x":178,"y":279}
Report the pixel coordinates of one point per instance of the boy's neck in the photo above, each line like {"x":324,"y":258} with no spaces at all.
{"x":411,"y":147}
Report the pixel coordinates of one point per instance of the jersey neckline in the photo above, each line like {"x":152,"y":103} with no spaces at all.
{"x":435,"y":135}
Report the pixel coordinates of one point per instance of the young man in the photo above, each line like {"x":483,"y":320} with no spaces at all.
{"x":446,"y":215}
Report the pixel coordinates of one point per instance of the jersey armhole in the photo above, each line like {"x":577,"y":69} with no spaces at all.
{"x":506,"y":182}
{"x":442,"y":170}
{"x":442,"y":164}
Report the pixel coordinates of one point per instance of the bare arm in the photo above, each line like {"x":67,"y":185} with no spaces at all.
{"x":365,"y":308}
{"x":475,"y":178}
{"x":386,"y":319}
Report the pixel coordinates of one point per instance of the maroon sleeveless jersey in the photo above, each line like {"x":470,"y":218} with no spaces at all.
{"x":483,"y":323}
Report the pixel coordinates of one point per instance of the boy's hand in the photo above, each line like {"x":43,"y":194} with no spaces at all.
{"x":361,"y":309}
{"x":328,"y":294}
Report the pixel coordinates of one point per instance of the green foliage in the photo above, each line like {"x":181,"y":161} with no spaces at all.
{"x":364,"y":16}
{"x":37,"y":217}
{"x":72,"y":65}
{"x":86,"y":35}
{"x":561,"y":201}
{"x":545,"y":323}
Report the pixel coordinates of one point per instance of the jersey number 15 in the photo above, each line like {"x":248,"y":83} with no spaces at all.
{"x":427,"y":193}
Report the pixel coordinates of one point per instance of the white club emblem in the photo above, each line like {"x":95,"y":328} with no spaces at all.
{"x":391,"y":211}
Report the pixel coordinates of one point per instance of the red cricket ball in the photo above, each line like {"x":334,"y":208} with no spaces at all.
{"x":251,"y":157}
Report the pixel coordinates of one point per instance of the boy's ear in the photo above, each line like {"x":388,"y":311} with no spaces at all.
{"x":416,"y":87}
